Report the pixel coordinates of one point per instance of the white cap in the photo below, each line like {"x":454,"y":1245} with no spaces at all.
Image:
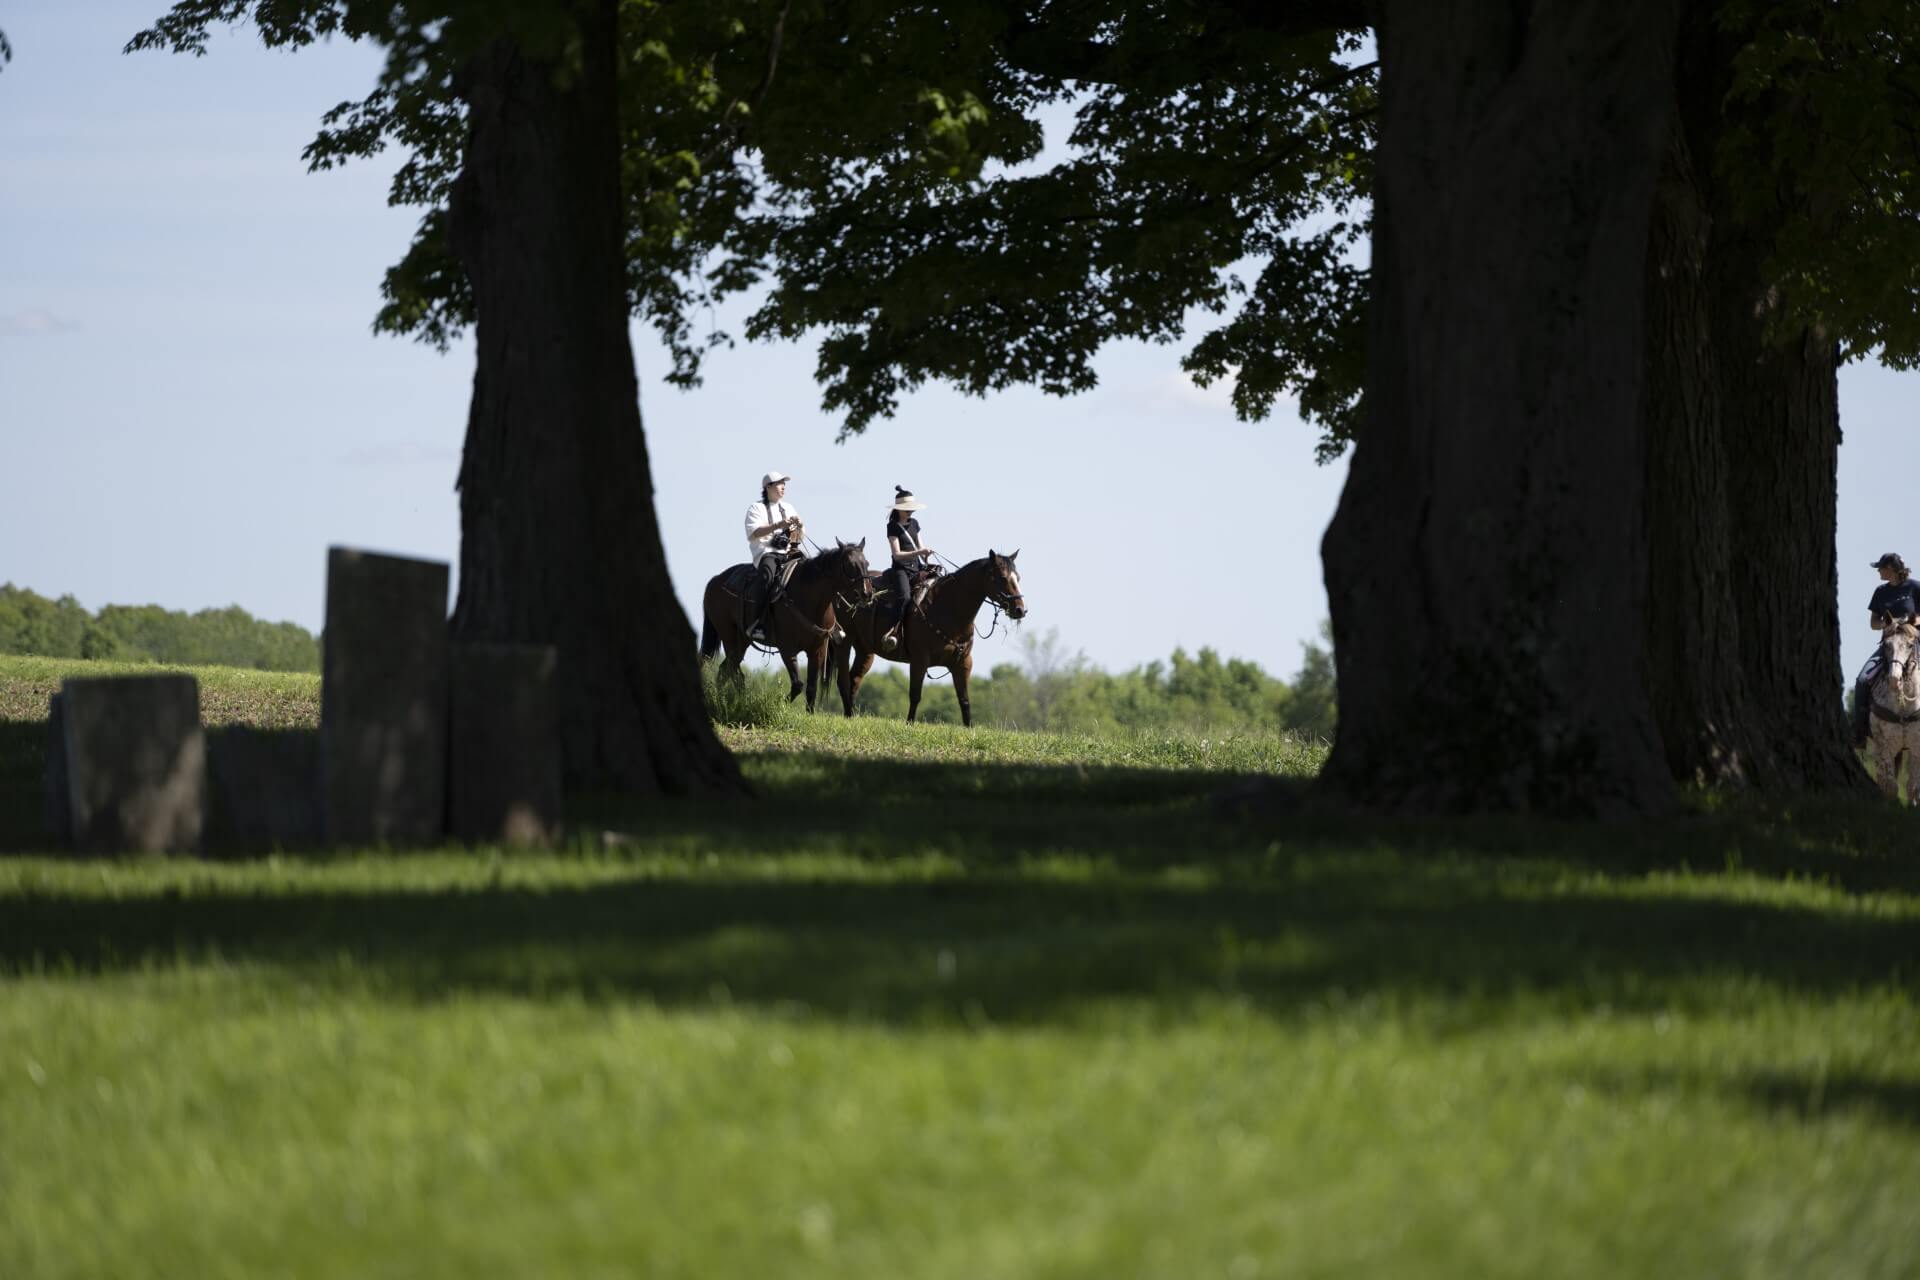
{"x":774,"y":477}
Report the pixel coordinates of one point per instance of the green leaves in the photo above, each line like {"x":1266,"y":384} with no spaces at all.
{"x":1823,"y":145}
{"x":1204,"y":148}
{"x":870,"y":160}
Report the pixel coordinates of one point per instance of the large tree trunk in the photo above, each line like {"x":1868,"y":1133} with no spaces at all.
{"x":1485,"y":570}
{"x":1742,"y":461}
{"x":1781,"y":404}
{"x":1694,"y":672}
{"x":558,"y":539}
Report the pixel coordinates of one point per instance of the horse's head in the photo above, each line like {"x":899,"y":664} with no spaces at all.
{"x":1903,"y":664}
{"x":849,"y":568}
{"x":1003,"y":584}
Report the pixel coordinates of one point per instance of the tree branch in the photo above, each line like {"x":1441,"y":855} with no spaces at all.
{"x":1043,"y":50}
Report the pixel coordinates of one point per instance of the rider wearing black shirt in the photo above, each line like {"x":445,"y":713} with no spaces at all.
{"x":1896,"y":599}
{"x":903,"y":541}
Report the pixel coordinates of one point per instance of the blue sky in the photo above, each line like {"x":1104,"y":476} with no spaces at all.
{"x":193,"y":407}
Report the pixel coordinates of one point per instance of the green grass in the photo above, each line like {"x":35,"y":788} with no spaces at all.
{"x":949,"y":1004}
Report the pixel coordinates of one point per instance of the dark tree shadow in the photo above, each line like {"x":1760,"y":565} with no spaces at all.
{"x":1426,"y":942}
{"x":1802,"y":1094}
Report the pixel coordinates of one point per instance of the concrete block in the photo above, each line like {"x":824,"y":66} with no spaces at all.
{"x":383,"y":700}
{"x":136,"y":763}
{"x":505,"y":786}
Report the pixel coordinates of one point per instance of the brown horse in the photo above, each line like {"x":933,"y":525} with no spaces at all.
{"x":938,"y":632}
{"x":803,"y":617}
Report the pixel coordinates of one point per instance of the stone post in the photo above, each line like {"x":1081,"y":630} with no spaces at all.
{"x":135,"y":760}
{"x":505,"y":785}
{"x":383,"y":700}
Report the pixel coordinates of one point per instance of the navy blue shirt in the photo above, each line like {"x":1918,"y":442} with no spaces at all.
{"x":1896,"y":599}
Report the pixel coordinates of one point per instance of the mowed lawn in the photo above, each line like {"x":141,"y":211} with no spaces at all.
{"x":957,"y":1005}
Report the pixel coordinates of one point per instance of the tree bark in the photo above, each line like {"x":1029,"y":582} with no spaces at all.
{"x":1781,"y":404}
{"x":559,"y":543}
{"x":1742,"y":471}
{"x":1694,"y":673}
{"x":1486,"y":570}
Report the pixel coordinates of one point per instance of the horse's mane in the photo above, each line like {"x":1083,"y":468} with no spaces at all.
{"x":813,"y":566}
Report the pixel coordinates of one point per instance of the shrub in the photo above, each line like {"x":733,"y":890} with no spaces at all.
{"x":756,"y":701}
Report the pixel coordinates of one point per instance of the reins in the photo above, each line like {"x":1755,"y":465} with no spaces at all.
{"x":973,"y":626}
{"x":786,"y":601}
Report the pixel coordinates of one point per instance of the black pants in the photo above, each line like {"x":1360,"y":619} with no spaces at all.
{"x":760,"y":592}
{"x":893,"y":605}
{"x":1863,"y":692}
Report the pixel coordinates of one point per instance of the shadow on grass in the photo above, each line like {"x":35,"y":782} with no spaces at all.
{"x":1428,"y":942}
{"x":1063,"y":889}
{"x":1809,"y":1095}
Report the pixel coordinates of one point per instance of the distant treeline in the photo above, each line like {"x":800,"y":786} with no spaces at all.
{"x":231,"y":637}
{"x":1050,"y":689}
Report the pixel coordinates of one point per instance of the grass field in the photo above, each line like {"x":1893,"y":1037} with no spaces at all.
{"x":941,"y":1004}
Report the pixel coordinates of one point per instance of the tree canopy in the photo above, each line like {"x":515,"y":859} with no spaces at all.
{"x":874,"y":165}
{"x":879,"y":168}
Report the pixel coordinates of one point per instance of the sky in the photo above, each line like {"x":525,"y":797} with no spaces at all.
{"x":193,"y":406}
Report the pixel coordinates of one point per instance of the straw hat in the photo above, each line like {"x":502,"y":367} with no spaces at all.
{"x":903,"y":500}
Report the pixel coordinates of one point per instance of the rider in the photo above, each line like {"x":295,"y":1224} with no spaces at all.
{"x":903,"y":540}
{"x":1896,"y":599}
{"x":773,"y":535}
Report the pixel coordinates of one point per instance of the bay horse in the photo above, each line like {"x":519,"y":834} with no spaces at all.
{"x":803,"y":618}
{"x":1894,"y":735}
{"x":937,"y":633}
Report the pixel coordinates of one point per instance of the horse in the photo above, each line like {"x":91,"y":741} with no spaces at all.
{"x":1895,"y":732}
{"x":937,"y":633}
{"x":803,"y":616}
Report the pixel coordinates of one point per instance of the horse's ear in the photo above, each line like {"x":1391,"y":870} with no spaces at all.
{"x":863,"y":544}
{"x":992,"y":554}
{"x":838,"y":545}
{"x":1013,"y":557}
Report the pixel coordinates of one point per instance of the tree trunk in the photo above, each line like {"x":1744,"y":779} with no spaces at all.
{"x":1694,"y":672}
{"x":1781,"y":405}
{"x":1486,"y":571}
{"x":1742,"y":463}
{"x":559,"y":543}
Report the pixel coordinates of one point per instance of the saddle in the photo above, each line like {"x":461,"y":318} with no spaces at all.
{"x":756,"y":603}
{"x":918,"y":580}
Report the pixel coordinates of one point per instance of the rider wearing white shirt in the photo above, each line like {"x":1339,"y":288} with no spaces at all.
{"x":772,"y":525}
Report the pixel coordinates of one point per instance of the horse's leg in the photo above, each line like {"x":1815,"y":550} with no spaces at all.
{"x":850,"y":680}
{"x":794,"y":685}
{"x":816,"y":663}
{"x":915,"y":679}
{"x":1911,"y":758}
{"x":735,"y":642}
{"x":1886,"y":763}
{"x":961,"y":674}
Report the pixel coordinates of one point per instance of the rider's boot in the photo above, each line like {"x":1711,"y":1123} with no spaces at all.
{"x":889,"y":643}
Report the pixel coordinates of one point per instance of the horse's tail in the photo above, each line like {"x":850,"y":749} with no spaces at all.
{"x":709,"y":638}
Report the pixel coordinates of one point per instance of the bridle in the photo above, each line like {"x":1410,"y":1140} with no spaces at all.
{"x":1899,"y":672}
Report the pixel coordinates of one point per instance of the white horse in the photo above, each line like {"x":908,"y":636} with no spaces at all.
{"x":1895,"y":735}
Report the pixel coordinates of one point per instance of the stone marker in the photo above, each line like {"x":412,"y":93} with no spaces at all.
{"x":505,"y":784}
{"x":383,"y":699}
{"x":265,"y":788}
{"x":136,"y":763}
{"x":57,"y":810}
